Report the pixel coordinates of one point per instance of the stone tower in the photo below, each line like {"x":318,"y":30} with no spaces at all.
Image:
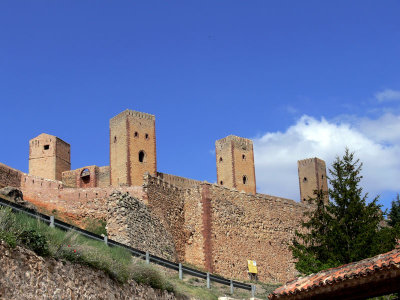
{"x":312,"y":176}
{"x":235,"y":163}
{"x":49,"y":156}
{"x":132,"y":147}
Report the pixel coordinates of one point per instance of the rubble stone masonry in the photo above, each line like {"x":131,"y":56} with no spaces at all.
{"x":210,"y":226}
{"x":131,"y":222}
{"x":219,"y":229}
{"x":252,"y":227}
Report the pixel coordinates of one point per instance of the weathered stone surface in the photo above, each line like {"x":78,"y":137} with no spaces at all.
{"x":24,"y":275}
{"x":15,"y":195}
{"x":131,"y":222}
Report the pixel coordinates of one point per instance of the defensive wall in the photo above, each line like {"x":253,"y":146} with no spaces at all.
{"x":89,"y":176}
{"x":211,"y":226}
{"x":209,"y":222}
{"x":76,"y":203}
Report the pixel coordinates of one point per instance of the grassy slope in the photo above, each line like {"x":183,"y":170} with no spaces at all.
{"x":117,"y":262}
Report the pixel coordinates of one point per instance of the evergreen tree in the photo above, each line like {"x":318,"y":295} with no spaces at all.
{"x":345,"y":229}
{"x":394,"y":214}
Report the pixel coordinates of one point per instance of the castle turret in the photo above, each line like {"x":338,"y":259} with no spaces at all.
{"x":312,"y":176}
{"x":132,"y":147}
{"x":49,"y":156}
{"x":235,"y":163}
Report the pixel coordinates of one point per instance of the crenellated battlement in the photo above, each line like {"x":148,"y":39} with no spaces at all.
{"x":133,"y":113}
{"x":238,"y":141}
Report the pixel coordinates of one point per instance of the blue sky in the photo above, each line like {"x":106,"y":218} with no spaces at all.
{"x":301,"y":78}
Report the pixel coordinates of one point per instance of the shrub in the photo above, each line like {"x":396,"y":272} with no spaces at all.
{"x":148,"y":275}
{"x":35,"y":241}
{"x":9,"y":238}
{"x":8,"y":227}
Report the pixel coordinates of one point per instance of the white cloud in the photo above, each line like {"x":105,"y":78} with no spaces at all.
{"x":374,"y":141}
{"x":387,"y":95}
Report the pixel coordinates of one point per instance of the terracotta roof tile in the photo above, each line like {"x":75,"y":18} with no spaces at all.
{"x":346,"y":272}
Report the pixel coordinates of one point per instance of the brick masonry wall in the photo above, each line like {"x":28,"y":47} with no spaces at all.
{"x":9,"y":176}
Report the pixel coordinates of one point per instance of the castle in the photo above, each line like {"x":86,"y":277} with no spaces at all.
{"x":217,"y":227}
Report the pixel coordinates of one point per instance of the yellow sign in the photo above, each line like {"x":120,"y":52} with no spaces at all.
{"x":252,"y":266}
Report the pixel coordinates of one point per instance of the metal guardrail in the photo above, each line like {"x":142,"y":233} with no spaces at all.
{"x":136,"y":252}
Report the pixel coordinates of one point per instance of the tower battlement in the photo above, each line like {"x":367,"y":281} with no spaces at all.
{"x":132,"y":147}
{"x":133,"y":113}
{"x":49,"y":156}
{"x":235,"y":163}
{"x":312,"y":176}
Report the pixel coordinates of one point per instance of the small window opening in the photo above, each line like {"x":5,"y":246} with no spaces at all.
{"x":304,"y":199}
{"x":220,"y":159}
{"x":221,"y":182}
{"x":305,"y":179}
{"x":244,"y":179}
{"x":243,"y":156}
{"x":322,"y":176}
{"x":115,"y":139}
{"x":136,"y":134}
{"x":146,"y":136}
{"x":141,"y":156}
{"x":46,"y":147}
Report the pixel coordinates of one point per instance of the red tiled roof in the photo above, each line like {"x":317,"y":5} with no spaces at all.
{"x":324,"y":280}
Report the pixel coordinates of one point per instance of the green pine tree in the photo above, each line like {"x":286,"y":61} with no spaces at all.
{"x":344,"y":230}
{"x":394,"y":214}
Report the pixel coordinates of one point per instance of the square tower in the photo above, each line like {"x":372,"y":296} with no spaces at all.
{"x":235,"y":163}
{"x":49,"y":156}
{"x":312,"y":176}
{"x":132,"y":147}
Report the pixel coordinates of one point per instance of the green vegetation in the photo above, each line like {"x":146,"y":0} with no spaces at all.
{"x":344,"y":230}
{"x":20,"y":229}
{"x":96,"y":226}
{"x":394,"y":214}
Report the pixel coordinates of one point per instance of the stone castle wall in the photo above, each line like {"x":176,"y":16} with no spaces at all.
{"x":178,"y":181}
{"x":257,"y":227}
{"x":76,"y":203}
{"x":167,"y":203}
{"x":131,"y":222}
{"x":211,"y":226}
{"x":9,"y":176}
{"x":219,"y":229}
{"x":98,"y":177}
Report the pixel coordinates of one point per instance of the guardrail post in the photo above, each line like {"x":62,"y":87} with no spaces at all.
{"x":253,"y":290}
{"x":52,"y":221}
{"x":180,"y":271}
{"x":231,"y":287}
{"x":208,"y":280}
{"x":147,"y":257}
{"x":106,"y":240}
